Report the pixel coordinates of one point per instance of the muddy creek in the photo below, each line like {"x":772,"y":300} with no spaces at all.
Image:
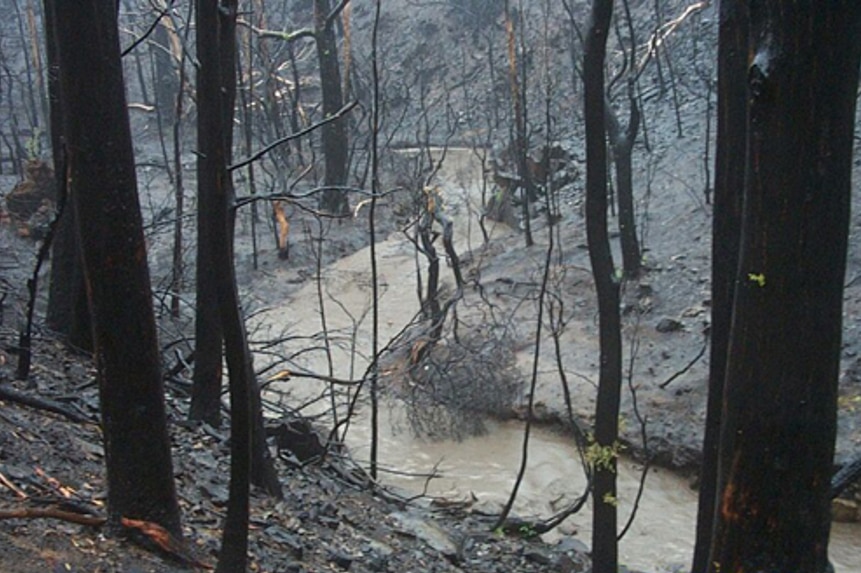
{"x":484,"y":466}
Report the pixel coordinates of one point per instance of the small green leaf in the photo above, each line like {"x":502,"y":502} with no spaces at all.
{"x":758,"y":278}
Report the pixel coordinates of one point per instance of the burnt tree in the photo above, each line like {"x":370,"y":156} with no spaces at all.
{"x":782,"y":364}
{"x":216,"y":20}
{"x":68,"y":313}
{"x":335,"y":145}
{"x":622,"y":146}
{"x":213,"y":151}
{"x":605,"y":551}
{"x":726,"y":230}
{"x":216,"y":88}
{"x":103,"y":188}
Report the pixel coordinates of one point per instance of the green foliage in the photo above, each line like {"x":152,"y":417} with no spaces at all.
{"x":849,"y":403}
{"x":611,"y":499}
{"x":527,"y":531}
{"x":34,"y":144}
{"x":758,"y":278}
{"x":603,"y":457}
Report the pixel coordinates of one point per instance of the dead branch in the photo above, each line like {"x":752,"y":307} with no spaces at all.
{"x":12,"y":395}
{"x":53,"y":513}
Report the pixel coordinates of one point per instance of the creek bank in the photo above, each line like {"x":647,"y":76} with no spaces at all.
{"x":327,"y":520}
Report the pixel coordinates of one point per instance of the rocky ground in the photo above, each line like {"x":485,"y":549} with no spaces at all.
{"x":327,"y":521}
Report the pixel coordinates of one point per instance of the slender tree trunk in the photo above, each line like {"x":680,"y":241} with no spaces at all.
{"x":335,"y":144}
{"x":221,"y":14}
{"x":622,"y":146}
{"x":101,"y":173}
{"x":216,"y":98}
{"x":211,"y":161}
{"x":605,"y":549}
{"x":520,"y":144}
{"x":780,"y":395}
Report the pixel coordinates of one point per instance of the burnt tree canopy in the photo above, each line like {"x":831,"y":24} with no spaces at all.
{"x":103,"y":188}
{"x":780,"y":396}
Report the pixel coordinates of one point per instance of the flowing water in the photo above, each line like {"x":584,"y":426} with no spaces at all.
{"x":485,"y":466}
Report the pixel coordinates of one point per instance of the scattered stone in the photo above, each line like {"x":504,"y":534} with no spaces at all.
{"x":299,"y":438}
{"x":217,"y":493}
{"x":427,"y":531}
{"x":537,"y":555}
{"x":341,"y":559}
{"x":693,"y":311}
{"x":572,"y":546}
{"x":486,"y":507}
{"x":845,"y":511}
{"x":292,"y":542}
{"x":669,"y":325}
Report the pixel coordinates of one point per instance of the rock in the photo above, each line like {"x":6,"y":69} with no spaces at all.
{"x":487,"y":507}
{"x":572,"y":545}
{"x":428,"y":532}
{"x":537,"y":555}
{"x":844,"y":511}
{"x":566,"y":564}
{"x":299,"y":438}
{"x":376,"y":555}
{"x":669,"y":325}
{"x":341,"y":559}
{"x":285,"y":538}
{"x":644,"y":290}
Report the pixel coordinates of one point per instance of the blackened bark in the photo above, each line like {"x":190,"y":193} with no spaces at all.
{"x":335,"y":146}
{"x":726,"y":236}
{"x":166,"y":72}
{"x":520,"y":143}
{"x":68,"y":312}
{"x":622,"y":146}
{"x":206,"y":379}
{"x":221,"y":16}
{"x":780,"y":395}
{"x":101,"y":174}
{"x":605,"y":552}
{"x":216,"y":98}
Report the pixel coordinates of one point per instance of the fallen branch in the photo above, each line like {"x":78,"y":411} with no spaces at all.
{"x":53,"y":513}
{"x":687,"y":367}
{"x":14,"y":488}
{"x":12,"y":395}
{"x":849,"y":473}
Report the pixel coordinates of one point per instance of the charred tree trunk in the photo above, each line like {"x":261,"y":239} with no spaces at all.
{"x":218,"y":18}
{"x":622,"y":146}
{"x":335,"y":145}
{"x":101,"y":172}
{"x":726,"y":231}
{"x":605,"y":549}
{"x":211,"y":162}
{"x":216,"y":98}
{"x":520,"y":146}
{"x":68,"y":312}
{"x":166,"y":81}
{"x":780,"y":395}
